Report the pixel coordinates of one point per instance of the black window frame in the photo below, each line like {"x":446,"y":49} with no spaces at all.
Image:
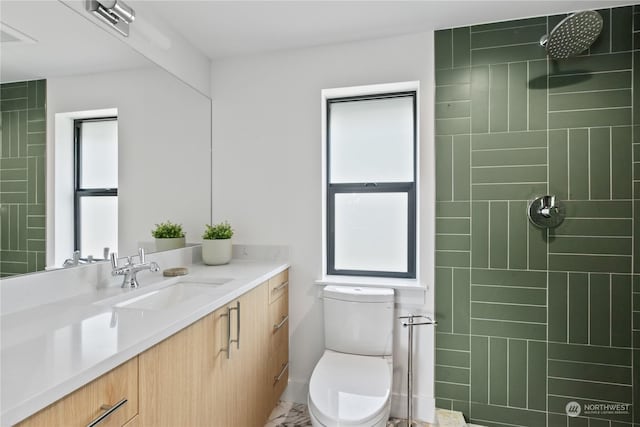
{"x":78,"y":191}
{"x":372,"y":187}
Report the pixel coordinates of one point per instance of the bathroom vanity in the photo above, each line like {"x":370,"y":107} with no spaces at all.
{"x":209,"y":348}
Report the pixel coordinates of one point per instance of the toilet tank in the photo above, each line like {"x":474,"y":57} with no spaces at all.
{"x":358,"y":320}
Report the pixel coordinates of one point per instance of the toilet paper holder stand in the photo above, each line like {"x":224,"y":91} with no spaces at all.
{"x":409,"y":322}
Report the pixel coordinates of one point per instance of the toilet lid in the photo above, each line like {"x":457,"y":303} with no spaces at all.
{"x":350,"y":388}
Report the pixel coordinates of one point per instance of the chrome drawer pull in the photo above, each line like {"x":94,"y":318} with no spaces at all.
{"x":108,"y":411}
{"x":282,"y":322}
{"x":278,"y":377}
{"x":228,"y":316}
{"x":280,"y":286}
{"x":237,"y":340}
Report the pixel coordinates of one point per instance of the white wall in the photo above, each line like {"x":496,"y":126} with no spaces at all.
{"x":267,"y":177}
{"x":164,"y":136}
{"x":159,"y":42}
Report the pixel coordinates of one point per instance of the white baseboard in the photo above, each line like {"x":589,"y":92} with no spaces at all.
{"x":424,"y":408}
{"x":296,"y":391}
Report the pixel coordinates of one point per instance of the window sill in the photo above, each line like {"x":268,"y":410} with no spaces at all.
{"x":385,"y":282}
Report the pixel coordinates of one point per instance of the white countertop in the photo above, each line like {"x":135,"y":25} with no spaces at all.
{"x":52,"y":349}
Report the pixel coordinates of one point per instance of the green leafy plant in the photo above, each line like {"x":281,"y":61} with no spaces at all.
{"x":222,"y":230}
{"x":167,"y":230}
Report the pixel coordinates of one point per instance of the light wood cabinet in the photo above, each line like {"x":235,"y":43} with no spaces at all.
{"x":220,"y":370}
{"x":178,"y":374}
{"x":278,"y":364}
{"x":85,"y":405}
{"x":246,"y":368}
{"x":134,"y":422}
{"x":278,"y":285}
{"x":227,"y":369}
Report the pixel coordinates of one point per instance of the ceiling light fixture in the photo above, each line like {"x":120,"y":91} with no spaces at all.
{"x":113,"y":12}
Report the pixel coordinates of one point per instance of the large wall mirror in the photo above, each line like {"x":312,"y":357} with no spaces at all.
{"x":97,"y":145}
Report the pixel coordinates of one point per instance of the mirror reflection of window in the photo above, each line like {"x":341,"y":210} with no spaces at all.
{"x":96,"y":186}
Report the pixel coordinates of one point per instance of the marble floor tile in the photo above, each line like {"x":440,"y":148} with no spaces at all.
{"x":289,"y":414}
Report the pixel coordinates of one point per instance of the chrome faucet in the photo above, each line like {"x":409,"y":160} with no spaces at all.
{"x":129,"y":269}
{"x":73,"y":261}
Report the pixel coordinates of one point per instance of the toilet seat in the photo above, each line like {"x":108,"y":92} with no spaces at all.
{"x":350,"y":390}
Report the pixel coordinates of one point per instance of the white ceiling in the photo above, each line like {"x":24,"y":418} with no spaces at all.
{"x":230,"y":28}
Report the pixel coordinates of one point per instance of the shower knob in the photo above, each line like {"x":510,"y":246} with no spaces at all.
{"x":545,"y":212}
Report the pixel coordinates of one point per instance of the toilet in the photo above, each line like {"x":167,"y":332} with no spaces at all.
{"x":351,"y":383}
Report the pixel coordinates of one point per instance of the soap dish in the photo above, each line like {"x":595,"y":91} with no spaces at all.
{"x":174,"y":272}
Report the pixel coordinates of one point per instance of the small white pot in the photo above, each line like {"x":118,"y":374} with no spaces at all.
{"x":170,"y":243}
{"x":216,"y":251}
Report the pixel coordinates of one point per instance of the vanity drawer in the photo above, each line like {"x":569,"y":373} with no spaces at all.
{"x":280,"y":382}
{"x":279,"y":368}
{"x":278,"y":285}
{"x":279,"y":313}
{"x":280,"y":343}
{"x":82,"y":407}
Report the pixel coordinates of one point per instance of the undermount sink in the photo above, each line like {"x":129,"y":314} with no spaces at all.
{"x":169,"y":296}
{"x":165,"y":298}
{"x":205,"y":281}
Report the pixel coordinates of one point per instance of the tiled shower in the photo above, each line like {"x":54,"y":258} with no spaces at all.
{"x":22,"y":177}
{"x":531,"y":320}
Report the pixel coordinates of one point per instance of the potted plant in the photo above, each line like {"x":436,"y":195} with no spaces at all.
{"x":216,"y":246}
{"x":168,"y":236}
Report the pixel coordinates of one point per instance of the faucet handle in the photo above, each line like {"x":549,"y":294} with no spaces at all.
{"x":141,"y":255}
{"x":154,"y":267}
{"x":114,"y":260}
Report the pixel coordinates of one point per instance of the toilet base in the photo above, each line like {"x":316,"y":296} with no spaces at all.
{"x":380,"y":422}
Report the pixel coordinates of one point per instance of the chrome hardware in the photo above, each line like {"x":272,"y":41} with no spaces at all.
{"x":237,"y":340}
{"x":410,"y":323}
{"x":545,"y":212}
{"x":278,"y":377}
{"x":280,"y":286}
{"x":228,"y":349}
{"x":229,"y":340}
{"x":429,"y":321}
{"x":281,"y":324}
{"x":108,"y":411}
{"x":115,"y":13}
{"x":130,"y":269}
{"x":73,"y":261}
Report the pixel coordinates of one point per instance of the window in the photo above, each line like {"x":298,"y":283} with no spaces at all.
{"x":96,"y":185}
{"x":371,"y":185}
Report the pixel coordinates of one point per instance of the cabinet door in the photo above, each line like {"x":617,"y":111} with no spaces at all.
{"x":178,"y":375}
{"x":246,"y":368}
{"x":84,"y":405}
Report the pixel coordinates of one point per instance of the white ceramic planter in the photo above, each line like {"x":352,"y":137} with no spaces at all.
{"x":168,"y":244}
{"x":216,"y":251}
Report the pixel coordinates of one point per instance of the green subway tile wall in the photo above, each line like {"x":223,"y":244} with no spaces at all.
{"x":530,"y":319}
{"x":22,"y":177}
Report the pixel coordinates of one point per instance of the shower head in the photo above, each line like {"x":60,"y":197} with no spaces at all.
{"x":573,"y":35}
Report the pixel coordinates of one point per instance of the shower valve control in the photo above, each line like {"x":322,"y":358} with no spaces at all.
{"x":545,"y":212}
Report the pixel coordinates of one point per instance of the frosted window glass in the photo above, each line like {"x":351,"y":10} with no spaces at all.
{"x":371,"y":141}
{"x":371,"y":231}
{"x":99,"y":154}
{"x":98,"y":225}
